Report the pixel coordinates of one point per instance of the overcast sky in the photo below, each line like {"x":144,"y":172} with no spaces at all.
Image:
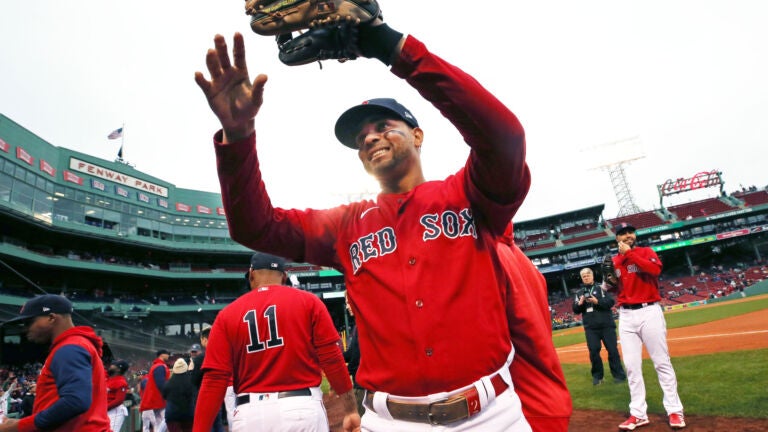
{"x":680,"y":85}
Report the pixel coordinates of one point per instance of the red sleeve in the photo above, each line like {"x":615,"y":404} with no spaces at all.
{"x":209,"y":399}
{"x":536,"y":371}
{"x":27,"y":424}
{"x":255,"y":223}
{"x":646,"y":259}
{"x":497,"y":158}
{"x":328,"y":351}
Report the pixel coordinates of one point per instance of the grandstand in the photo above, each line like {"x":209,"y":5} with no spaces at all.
{"x":147,"y":263}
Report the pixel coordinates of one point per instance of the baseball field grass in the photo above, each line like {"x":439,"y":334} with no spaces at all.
{"x":732,"y":384}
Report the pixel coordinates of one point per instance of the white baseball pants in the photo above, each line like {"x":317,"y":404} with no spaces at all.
{"x":290,"y":414}
{"x":647,"y":326}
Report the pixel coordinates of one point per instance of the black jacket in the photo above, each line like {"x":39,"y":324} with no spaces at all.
{"x":196,"y":374}
{"x":179,"y":394}
{"x":352,"y":354}
{"x":600,"y":315}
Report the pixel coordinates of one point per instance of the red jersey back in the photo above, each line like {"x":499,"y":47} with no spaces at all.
{"x":267,"y":339}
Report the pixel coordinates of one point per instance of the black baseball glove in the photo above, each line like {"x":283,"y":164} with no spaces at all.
{"x":338,"y":42}
{"x":608,"y":271}
{"x":276,"y":17}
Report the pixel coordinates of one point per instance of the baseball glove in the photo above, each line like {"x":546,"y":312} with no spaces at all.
{"x":608,"y":271}
{"x":322,"y":43}
{"x":277,"y":17}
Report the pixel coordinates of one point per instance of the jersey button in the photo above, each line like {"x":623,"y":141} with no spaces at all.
{"x":419,"y":303}
{"x":412,"y":261}
{"x":428,"y":352}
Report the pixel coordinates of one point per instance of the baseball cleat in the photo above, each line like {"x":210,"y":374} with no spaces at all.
{"x":676,"y":420}
{"x":633,"y":423}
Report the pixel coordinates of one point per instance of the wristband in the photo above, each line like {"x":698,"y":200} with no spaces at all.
{"x":378,"y":42}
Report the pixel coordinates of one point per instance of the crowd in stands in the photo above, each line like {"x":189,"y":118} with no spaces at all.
{"x":17,"y":389}
{"x":715,"y":282}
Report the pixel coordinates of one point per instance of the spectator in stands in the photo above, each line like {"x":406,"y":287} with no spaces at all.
{"x":28,"y":401}
{"x":152,"y":405}
{"x":71,"y":392}
{"x":594,"y":305}
{"x":179,"y":394}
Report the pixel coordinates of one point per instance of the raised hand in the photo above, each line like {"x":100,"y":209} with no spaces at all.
{"x":230,"y":93}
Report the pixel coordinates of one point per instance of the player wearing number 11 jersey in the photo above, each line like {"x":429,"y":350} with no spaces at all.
{"x":273,"y":341}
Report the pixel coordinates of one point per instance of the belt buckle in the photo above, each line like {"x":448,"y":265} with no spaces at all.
{"x":430,"y":416}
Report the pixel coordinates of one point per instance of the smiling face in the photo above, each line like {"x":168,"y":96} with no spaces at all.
{"x":389,"y":148}
{"x":627,"y":237}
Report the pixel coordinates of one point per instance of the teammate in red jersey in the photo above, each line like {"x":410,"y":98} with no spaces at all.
{"x":273,"y":342}
{"x":152,"y":404}
{"x":71,"y":389}
{"x":635,"y":278}
{"x":536,"y":371}
{"x":117,"y":387}
{"x":421,"y":264}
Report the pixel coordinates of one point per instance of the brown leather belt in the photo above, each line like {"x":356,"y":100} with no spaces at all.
{"x":246,"y":398}
{"x":455,"y":408}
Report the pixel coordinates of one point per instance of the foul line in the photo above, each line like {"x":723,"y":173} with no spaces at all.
{"x":581,"y":347}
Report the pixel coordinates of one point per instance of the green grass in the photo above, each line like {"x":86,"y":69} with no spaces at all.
{"x":731,"y":384}
{"x":688,"y":317}
{"x":697,"y":315}
{"x":728,"y":384}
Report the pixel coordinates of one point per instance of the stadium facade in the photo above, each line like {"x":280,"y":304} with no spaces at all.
{"x":147,"y":263}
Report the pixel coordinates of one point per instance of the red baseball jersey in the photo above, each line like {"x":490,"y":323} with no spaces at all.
{"x":421,"y":268}
{"x":274,"y":338}
{"x":536,"y":370}
{"x":269,"y":340}
{"x":117,"y":387}
{"x":638,"y":272}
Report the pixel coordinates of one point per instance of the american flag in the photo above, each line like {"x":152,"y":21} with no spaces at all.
{"x":117,"y":133}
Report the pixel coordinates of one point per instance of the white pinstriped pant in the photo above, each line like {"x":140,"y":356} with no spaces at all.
{"x":117,"y":417}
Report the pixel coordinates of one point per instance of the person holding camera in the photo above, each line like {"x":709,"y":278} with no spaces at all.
{"x":599,"y":327}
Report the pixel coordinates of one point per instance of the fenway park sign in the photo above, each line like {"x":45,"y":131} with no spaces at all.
{"x":700,"y":180}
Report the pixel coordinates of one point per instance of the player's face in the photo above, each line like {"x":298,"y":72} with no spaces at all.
{"x":627,"y":237}
{"x":40,"y":329}
{"x":388,"y":148}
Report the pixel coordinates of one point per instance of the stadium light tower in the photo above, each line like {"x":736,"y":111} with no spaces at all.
{"x":613,"y":157}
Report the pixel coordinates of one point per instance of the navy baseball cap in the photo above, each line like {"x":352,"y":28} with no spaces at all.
{"x":263,"y":261}
{"x":195,"y":348}
{"x":162,"y":351}
{"x":121,"y":365}
{"x":624,"y":227}
{"x":349,"y":121}
{"x":43,"y":305}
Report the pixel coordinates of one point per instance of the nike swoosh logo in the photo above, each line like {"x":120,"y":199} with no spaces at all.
{"x":362,"y":215}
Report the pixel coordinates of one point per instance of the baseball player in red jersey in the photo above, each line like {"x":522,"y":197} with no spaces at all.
{"x":273,"y":342}
{"x":117,"y":387}
{"x":71,"y":388}
{"x":152,"y":404}
{"x":536,"y":371}
{"x":434,"y":337}
{"x":635,"y":278}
